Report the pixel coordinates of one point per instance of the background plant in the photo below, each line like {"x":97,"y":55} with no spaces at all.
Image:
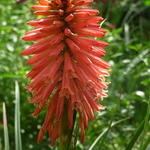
{"x":129,"y":55}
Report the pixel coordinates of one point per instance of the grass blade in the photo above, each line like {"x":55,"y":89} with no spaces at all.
{"x":103,"y":134}
{"x":146,"y":127}
{"x":18,"y":142}
{"x":143,"y":128}
{"x":135,"y":136}
{"x":146,"y":144}
{"x":136,"y":61}
{"x":6,"y":136}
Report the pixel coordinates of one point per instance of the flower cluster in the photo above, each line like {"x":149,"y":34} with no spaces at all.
{"x":66,"y":64}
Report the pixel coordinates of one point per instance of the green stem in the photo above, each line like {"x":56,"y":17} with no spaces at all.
{"x":66,"y":133}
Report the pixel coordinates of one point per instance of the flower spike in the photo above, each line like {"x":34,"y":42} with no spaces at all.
{"x":66,"y":64}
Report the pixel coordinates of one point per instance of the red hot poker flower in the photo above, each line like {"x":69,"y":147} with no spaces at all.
{"x":66,"y":68}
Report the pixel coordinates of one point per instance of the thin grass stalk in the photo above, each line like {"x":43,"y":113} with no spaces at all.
{"x":146,"y":127}
{"x":127,"y":34}
{"x":18,"y":141}
{"x":6,"y":136}
{"x":135,"y":136}
{"x":0,"y":143}
{"x":105,"y":132}
{"x":146,"y":143}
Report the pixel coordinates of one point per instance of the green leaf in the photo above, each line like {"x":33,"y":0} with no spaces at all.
{"x":6,"y":136}
{"x":146,"y":143}
{"x":103,"y":134}
{"x":18,"y":142}
{"x":146,"y":127}
{"x":147,"y":2}
{"x":135,"y":136}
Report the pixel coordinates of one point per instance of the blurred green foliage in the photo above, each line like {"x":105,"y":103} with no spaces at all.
{"x":128,"y":27}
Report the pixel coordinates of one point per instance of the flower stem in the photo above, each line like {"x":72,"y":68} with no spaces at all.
{"x":66,"y":133}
